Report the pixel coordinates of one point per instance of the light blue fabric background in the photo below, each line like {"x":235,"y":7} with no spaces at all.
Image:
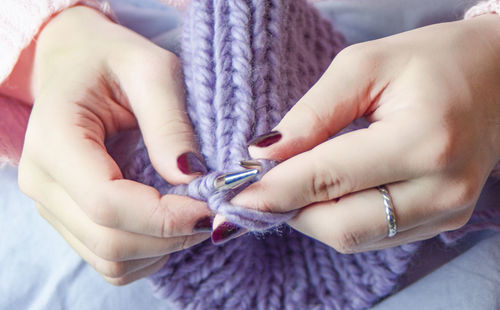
{"x":40,"y":271}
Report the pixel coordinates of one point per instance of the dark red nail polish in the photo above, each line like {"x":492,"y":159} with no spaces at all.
{"x":189,"y":163}
{"x":266,"y":139}
{"x":203,"y":225}
{"x":225,"y":232}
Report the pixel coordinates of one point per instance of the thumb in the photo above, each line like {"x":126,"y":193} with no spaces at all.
{"x":157,"y":98}
{"x":344,"y":92}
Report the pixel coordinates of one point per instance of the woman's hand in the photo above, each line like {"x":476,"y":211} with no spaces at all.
{"x":433,"y":97}
{"x":92,"y":79}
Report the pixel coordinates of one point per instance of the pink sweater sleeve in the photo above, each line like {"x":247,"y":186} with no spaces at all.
{"x":484,"y":7}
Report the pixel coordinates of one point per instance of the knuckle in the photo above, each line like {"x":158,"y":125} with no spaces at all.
{"x":346,"y":242}
{"x":456,"y":222}
{"x":457,"y":195}
{"x":112,"y":269}
{"x":350,"y":52}
{"x":157,"y":60}
{"x":326,"y":185}
{"x":108,"y":248}
{"x":443,"y":151}
{"x":98,"y":210}
{"x":121,"y":281}
{"x":268,"y":207}
{"x":175,"y":128}
{"x":360,"y":57}
{"x":175,"y":244}
{"x":313,"y":114}
{"x":173,"y":62}
{"x":463,"y":193}
{"x":167,"y":226}
{"x":185,"y":243}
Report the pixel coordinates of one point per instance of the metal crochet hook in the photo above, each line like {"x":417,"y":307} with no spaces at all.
{"x":235,"y":179}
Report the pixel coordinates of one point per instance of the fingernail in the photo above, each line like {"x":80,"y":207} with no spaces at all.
{"x":266,"y":139}
{"x":189,"y":163}
{"x":203,"y":225}
{"x":225,"y":232}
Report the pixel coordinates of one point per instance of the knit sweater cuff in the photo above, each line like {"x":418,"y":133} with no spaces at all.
{"x":484,"y":7}
{"x":21,"y":20}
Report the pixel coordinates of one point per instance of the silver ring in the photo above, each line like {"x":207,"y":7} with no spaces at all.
{"x":389,"y":212}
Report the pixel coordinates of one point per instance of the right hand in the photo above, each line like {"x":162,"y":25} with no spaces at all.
{"x":93,"y":78}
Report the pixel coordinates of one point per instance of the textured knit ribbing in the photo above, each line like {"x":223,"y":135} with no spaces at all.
{"x":245,"y":64}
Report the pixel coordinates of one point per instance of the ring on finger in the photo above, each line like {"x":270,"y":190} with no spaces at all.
{"x":390,"y":216}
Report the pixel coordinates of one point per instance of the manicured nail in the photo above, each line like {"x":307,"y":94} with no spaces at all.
{"x":225,"y":232}
{"x":203,"y":225}
{"x":266,"y":139}
{"x":189,"y":163}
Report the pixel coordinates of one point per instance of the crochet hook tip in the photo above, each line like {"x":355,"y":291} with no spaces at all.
{"x":234,"y":179}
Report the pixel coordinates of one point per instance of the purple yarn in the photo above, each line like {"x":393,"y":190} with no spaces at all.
{"x":246,"y":62}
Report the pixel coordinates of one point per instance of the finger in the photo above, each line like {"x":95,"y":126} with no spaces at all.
{"x":423,"y":232}
{"x":413,"y":235}
{"x":104,"y":267}
{"x":139,"y":274}
{"x":429,"y":229}
{"x":345,"y":92}
{"x":107,"y":243}
{"x":223,"y":230}
{"x":75,"y":156}
{"x":352,"y":162}
{"x":158,"y":102}
{"x":358,"y":220}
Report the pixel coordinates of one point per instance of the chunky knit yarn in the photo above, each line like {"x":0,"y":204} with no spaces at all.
{"x":246,"y":62}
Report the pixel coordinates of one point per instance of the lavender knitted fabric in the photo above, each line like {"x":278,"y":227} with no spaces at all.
{"x":246,"y":62}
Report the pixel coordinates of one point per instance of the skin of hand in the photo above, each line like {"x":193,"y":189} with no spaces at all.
{"x":432,"y":96}
{"x":93,"y":78}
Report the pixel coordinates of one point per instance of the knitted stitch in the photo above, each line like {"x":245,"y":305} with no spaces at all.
{"x":246,"y":62}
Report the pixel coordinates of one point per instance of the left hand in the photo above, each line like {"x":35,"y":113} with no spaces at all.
{"x":432,"y":96}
